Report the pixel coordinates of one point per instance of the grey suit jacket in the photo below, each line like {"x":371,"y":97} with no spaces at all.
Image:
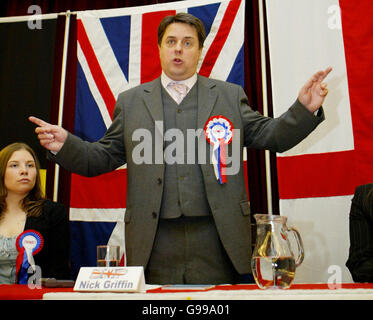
{"x":141,"y":107}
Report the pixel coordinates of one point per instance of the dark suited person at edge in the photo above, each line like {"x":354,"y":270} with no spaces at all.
{"x":182,"y":225}
{"x":360,"y":259}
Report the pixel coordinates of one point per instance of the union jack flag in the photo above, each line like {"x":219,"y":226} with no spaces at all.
{"x":117,"y":50}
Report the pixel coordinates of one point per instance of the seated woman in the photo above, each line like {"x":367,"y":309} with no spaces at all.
{"x":360,"y":260}
{"x":23,"y":208}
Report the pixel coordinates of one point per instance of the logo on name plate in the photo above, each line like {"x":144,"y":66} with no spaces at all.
{"x":108,"y":273}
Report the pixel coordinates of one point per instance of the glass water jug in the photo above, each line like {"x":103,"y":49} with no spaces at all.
{"x":273,"y":262}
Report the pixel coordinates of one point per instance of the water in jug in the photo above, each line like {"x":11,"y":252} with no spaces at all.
{"x":273,"y":262}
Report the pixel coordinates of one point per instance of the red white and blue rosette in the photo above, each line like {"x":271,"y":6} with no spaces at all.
{"x":219,"y":133}
{"x":28,"y":243}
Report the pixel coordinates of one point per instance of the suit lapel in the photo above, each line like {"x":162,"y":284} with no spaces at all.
{"x":206,"y":100}
{"x":153,"y":101}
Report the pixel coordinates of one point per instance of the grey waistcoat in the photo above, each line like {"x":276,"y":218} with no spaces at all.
{"x":183,"y":191}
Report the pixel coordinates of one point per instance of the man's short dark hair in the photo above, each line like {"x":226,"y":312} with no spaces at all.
{"x":183,"y":17}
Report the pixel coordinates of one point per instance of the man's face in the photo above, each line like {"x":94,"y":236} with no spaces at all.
{"x":179,"y":51}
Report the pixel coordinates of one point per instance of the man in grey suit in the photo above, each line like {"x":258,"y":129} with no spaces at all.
{"x":186,"y":221}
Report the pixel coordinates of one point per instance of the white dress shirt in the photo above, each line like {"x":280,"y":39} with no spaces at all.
{"x":165,"y":80}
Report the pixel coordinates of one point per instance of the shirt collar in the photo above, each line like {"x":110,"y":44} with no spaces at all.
{"x":190,"y":82}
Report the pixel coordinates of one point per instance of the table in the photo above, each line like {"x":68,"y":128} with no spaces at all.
{"x":316,"y":291}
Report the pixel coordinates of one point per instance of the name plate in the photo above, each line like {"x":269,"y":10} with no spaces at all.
{"x":110,"y":279}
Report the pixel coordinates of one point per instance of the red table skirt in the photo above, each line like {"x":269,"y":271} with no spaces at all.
{"x":23,"y":292}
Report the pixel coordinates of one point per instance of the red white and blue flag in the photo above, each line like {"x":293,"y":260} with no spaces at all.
{"x":317,"y":178}
{"x":117,"y":50}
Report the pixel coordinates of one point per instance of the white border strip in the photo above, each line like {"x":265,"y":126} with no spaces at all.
{"x":134,"y":64}
{"x":94,"y":90}
{"x":97,"y":215}
{"x":232,"y":46}
{"x":212,"y":34}
{"x":105,"y":55}
{"x":117,"y":238}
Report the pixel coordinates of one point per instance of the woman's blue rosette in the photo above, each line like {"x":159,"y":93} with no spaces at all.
{"x":28,"y":243}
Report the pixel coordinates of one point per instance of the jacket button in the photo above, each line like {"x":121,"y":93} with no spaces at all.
{"x":154,"y":214}
{"x":159,"y":181}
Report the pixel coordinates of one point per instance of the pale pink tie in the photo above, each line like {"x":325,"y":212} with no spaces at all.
{"x":180,"y":90}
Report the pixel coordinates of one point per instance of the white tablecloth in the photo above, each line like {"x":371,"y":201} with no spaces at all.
{"x":270,"y":294}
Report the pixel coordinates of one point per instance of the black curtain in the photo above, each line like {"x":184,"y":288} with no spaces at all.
{"x":253,"y":82}
{"x":26,"y":69}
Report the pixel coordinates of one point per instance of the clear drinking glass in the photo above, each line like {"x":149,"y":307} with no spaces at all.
{"x":108,"y":256}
